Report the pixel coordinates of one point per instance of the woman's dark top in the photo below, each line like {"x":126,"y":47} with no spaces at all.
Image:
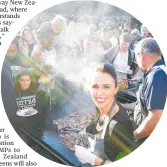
{"x":37,"y":100}
{"x":119,"y":134}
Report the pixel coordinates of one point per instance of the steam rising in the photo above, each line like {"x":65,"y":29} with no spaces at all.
{"x":72,"y":57}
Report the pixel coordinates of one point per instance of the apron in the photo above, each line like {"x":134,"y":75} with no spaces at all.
{"x":96,"y":137}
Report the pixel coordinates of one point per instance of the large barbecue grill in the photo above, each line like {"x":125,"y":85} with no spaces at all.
{"x":50,"y":143}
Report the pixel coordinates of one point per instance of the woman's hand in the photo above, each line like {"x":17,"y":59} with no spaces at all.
{"x":84,"y":155}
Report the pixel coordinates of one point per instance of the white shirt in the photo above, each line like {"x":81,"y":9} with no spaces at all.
{"x":121,"y":59}
{"x":121,"y":65}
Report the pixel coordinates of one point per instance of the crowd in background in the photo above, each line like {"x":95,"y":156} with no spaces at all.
{"x":58,"y":55}
{"x":61,"y":52}
{"x":76,"y":44}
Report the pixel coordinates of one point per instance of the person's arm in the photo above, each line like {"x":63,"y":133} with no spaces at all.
{"x":106,"y":52}
{"x":111,"y":53}
{"x":85,"y":156}
{"x":110,"y":50}
{"x":148,"y":125}
{"x":25,"y":50}
{"x":37,"y":52}
{"x":155,"y":99}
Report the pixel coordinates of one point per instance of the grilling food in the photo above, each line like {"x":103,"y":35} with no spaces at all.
{"x":69,"y":128}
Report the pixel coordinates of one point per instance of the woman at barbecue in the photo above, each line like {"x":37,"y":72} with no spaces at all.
{"x":30,"y":98}
{"x":112,"y":126}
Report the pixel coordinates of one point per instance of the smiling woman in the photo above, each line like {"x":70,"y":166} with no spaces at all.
{"x":25,"y":82}
{"x":104,"y":88}
{"x":113,"y":127}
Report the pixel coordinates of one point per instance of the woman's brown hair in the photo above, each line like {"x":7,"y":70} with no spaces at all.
{"x":109,"y":69}
{"x":33,"y":85}
{"x":32,"y":34}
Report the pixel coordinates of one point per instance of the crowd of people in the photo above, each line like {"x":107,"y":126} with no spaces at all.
{"x":80,"y":44}
{"x":61,"y":54}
